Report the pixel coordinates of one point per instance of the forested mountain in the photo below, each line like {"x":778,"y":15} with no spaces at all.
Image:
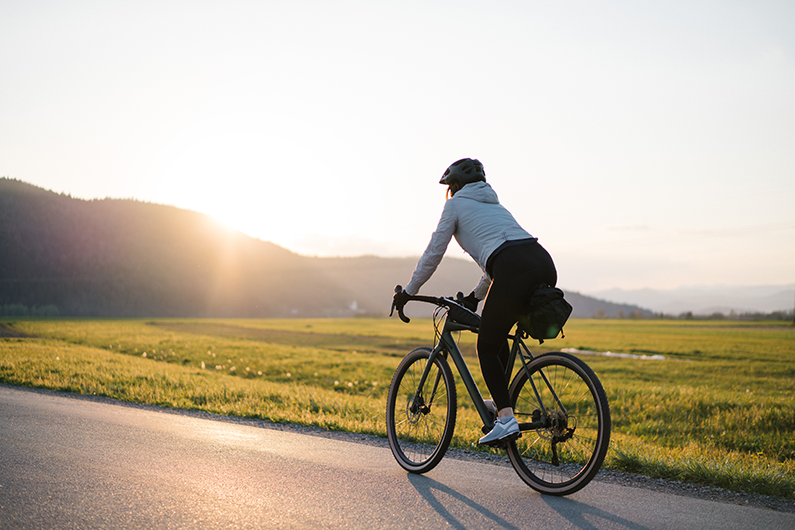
{"x":120,"y":258}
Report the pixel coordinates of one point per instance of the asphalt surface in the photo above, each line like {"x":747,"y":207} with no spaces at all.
{"x":73,"y":463}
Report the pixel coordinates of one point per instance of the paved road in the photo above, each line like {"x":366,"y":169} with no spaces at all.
{"x":73,"y":463}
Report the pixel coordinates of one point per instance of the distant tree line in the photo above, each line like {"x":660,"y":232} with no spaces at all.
{"x":775,"y":315}
{"x":635,"y":314}
{"x":21,"y":310}
{"x":749,"y":316}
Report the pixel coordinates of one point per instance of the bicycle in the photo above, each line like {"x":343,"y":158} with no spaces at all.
{"x":561,"y":407}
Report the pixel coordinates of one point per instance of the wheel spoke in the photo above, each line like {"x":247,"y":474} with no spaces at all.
{"x":577,"y":433}
{"x":419,"y":427}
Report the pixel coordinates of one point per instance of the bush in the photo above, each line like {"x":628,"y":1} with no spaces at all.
{"x":44,"y":311}
{"x":14,"y":310}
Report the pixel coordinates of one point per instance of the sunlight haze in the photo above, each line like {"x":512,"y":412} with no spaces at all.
{"x":646,"y":144}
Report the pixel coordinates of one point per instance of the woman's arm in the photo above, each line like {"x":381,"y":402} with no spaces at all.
{"x":435,"y":250}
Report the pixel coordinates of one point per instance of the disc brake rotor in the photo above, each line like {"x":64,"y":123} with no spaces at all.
{"x":414,"y":408}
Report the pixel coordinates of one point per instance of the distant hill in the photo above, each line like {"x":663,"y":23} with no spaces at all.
{"x":706,"y":300}
{"x":588,"y":307}
{"x":125,"y":258}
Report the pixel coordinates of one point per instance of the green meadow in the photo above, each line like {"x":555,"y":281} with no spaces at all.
{"x":717,"y":409}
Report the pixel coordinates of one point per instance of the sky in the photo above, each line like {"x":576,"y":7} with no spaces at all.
{"x":646,"y":144}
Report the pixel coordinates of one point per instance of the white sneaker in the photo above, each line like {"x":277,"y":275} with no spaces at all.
{"x":505,"y":429}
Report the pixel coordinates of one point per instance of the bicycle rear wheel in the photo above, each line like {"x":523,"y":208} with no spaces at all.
{"x":420,"y":421}
{"x":565,"y":454}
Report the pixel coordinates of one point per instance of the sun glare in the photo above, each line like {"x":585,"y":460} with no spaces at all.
{"x":238,"y":218}
{"x":230,"y":220}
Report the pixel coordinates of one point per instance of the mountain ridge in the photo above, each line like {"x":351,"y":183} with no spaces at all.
{"x":127,"y":258}
{"x":708,"y":299}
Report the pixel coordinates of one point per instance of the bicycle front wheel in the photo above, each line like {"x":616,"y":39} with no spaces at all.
{"x":568,"y":401}
{"x":420,"y":421}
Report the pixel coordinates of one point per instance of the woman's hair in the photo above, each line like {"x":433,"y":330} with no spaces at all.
{"x":452,"y":189}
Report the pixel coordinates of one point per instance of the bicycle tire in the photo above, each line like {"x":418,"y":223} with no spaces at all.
{"x":420,"y":437}
{"x":581,"y":451}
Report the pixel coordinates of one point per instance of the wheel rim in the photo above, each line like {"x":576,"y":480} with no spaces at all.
{"x":420,"y":428}
{"x":572,"y":436}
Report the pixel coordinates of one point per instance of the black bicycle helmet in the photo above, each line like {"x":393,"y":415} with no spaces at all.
{"x":463,"y":172}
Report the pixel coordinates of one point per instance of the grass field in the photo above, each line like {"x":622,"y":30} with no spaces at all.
{"x":719,"y":409}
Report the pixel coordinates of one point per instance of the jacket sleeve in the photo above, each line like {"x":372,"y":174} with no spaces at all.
{"x":482,"y":288}
{"x":435,"y":250}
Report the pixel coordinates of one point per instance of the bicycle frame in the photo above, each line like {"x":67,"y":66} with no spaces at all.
{"x":419,"y":435}
{"x":519,"y":349}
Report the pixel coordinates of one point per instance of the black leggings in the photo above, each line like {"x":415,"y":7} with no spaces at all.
{"x":517,"y":272}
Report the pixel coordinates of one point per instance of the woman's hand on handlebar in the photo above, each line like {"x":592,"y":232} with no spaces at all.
{"x":469,"y":301}
{"x":401,"y":297}
{"x":463,"y":308}
{"x":399,"y":301}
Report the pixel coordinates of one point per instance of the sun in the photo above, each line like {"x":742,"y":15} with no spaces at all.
{"x":235,"y":218}
{"x":232,"y":220}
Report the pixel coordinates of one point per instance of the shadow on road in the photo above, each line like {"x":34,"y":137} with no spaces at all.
{"x":430,"y":490}
{"x":584,"y":516}
{"x":578,"y":514}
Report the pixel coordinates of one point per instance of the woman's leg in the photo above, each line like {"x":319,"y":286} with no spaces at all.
{"x":497,"y":319}
{"x":517,"y":271}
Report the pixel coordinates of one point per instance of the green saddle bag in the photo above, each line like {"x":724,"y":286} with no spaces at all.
{"x":546,"y":314}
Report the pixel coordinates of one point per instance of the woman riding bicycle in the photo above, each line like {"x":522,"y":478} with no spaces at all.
{"x":514,"y":266}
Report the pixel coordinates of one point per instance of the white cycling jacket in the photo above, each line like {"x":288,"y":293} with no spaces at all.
{"x":479,"y":223}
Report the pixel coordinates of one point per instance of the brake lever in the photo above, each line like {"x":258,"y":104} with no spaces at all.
{"x":402,"y":316}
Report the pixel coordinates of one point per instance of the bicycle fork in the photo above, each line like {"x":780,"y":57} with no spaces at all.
{"x":419,"y":405}
{"x":448,"y":348}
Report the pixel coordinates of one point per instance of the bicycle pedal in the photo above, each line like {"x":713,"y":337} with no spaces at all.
{"x":503,"y":444}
